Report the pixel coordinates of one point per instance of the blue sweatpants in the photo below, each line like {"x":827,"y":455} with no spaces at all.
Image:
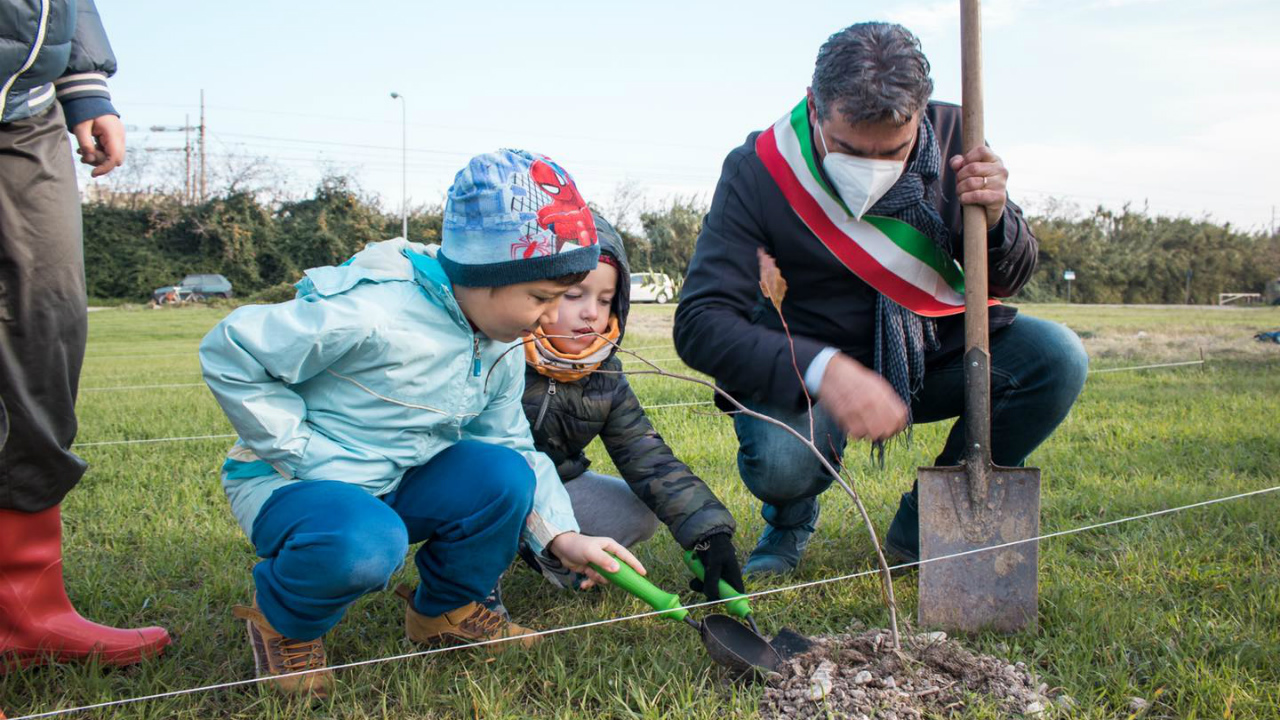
{"x":324,"y":544}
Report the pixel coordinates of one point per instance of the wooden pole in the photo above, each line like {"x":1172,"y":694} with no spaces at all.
{"x":203,"y":187}
{"x":186,"y":178}
{"x":977,"y":355}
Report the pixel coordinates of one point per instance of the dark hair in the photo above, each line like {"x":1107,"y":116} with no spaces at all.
{"x":872,"y":72}
{"x":571,"y":279}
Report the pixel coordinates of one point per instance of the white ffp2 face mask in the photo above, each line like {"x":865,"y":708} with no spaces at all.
{"x":861,"y":182}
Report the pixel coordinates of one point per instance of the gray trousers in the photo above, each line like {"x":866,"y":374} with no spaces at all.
{"x":43,"y":315}
{"x":605,"y":506}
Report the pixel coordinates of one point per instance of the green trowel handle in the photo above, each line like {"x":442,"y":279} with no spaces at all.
{"x":631,"y":581}
{"x":738,"y":608}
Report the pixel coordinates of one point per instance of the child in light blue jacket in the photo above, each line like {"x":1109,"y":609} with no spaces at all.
{"x":382,"y":408}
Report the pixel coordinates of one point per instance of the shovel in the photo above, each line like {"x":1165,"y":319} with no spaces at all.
{"x":729,"y":643}
{"x":976,"y":504}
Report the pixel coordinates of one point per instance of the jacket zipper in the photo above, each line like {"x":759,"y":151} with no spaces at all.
{"x":475,"y":357}
{"x":41,"y":28}
{"x":546,"y":400}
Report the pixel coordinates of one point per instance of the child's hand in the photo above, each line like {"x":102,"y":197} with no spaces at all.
{"x":577,"y":551}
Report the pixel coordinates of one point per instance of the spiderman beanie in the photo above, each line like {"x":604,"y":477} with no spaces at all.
{"x":514,"y":217}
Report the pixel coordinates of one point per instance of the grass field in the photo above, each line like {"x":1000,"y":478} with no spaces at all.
{"x":1182,"y":610}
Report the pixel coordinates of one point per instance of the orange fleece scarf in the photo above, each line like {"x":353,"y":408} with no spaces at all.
{"x":569,"y":367}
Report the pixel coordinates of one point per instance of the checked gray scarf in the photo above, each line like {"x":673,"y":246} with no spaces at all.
{"x":902,"y":337}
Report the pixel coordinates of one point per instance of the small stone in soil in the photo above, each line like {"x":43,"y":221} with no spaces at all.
{"x":820,"y":681}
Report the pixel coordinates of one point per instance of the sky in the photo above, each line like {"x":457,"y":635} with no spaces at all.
{"x":1162,"y":104}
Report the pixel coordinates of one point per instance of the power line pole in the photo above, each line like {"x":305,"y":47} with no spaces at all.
{"x":186,"y":178}
{"x":404,"y":165}
{"x":203,"y":186}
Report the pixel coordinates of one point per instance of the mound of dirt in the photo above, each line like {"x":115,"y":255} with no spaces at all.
{"x":860,"y":677}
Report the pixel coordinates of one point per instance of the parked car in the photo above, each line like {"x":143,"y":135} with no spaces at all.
{"x":193,"y":288}
{"x":652,"y":287}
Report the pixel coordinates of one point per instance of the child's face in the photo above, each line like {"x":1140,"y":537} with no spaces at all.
{"x":505,"y":313}
{"x":585,"y":309}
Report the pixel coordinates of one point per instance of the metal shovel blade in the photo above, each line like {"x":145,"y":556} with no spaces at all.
{"x":989,"y":590}
{"x":734,"y":646}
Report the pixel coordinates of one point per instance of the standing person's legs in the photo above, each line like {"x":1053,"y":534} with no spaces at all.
{"x":779,"y":470}
{"x":43,"y":327}
{"x":1038,"y":368}
{"x":43,"y":314}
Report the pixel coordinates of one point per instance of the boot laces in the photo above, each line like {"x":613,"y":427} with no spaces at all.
{"x":484,"y":622}
{"x":298,"y":655}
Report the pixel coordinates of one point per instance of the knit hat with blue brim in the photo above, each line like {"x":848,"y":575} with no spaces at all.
{"x":512,"y":217}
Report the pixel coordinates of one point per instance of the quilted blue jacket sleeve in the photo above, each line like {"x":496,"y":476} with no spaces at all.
{"x":82,"y":89}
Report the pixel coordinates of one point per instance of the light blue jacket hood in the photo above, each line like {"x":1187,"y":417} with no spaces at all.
{"x":368,"y":373}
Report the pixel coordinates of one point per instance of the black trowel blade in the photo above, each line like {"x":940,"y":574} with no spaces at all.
{"x":790,"y":643}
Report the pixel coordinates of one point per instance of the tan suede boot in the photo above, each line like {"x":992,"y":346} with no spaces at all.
{"x":470,"y":623}
{"x":274,"y":654}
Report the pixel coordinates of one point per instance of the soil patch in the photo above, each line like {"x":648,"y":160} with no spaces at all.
{"x":858,"y":676}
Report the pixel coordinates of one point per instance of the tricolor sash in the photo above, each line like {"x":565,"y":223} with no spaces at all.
{"x":891,"y":256}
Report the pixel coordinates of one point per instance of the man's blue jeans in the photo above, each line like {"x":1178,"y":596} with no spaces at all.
{"x":324,"y":544}
{"x":1037,"y":370}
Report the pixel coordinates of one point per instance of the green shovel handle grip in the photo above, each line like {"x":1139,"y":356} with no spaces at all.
{"x":631,"y":581}
{"x":738,"y":608}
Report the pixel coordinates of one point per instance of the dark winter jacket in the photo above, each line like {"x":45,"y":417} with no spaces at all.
{"x":566,"y":416}
{"x":726,"y":329}
{"x":54,"y":47}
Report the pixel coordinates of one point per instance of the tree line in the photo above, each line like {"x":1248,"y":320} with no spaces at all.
{"x":134,"y":245}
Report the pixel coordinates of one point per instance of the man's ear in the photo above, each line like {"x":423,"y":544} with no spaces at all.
{"x":812,"y":104}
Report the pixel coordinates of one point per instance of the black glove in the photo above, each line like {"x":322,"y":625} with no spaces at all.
{"x":719,"y":562}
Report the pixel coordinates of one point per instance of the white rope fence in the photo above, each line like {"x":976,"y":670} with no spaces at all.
{"x":143,"y":356}
{"x":187,"y":438}
{"x":141,"y":387}
{"x":1146,"y":367}
{"x":625,"y":618}
{"x":193,"y":354}
{"x":660,"y":361}
{"x":679,"y":404}
{"x":154,"y":440}
{"x":646,"y":407}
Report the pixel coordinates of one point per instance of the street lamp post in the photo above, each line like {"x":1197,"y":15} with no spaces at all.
{"x":404,"y":171}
